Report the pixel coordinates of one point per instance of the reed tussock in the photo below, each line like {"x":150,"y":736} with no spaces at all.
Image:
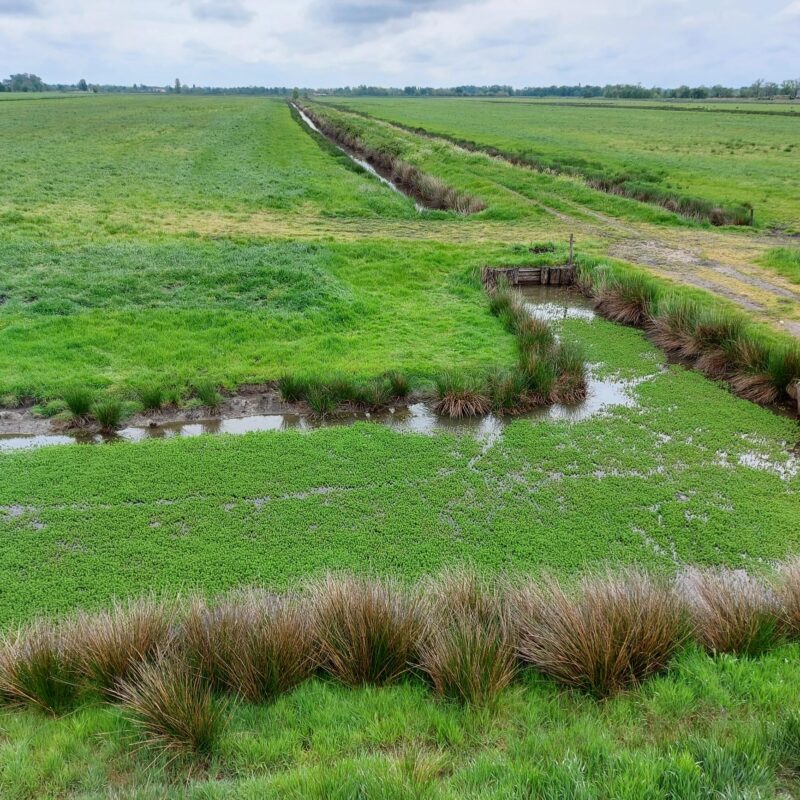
{"x":788,"y":594}
{"x":628,"y":302}
{"x":731,"y":611}
{"x":468,"y":651}
{"x":173,"y":707}
{"x":609,"y":634}
{"x":367,"y":629}
{"x":109,"y":644}
{"x":271,"y":650}
{"x":251,"y":643}
{"x":459,"y":395}
{"x":37,"y":668}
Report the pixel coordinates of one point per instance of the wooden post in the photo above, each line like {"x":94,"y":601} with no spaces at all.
{"x":752,"y":210}
{"x":571,"y":248}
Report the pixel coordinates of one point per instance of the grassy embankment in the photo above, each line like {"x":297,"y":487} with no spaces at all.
{"x":725,"y":159}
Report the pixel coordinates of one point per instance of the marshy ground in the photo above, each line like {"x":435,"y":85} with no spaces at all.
{"x":165,"y":240}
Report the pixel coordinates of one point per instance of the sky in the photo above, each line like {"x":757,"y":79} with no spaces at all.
{"x":325,"y":43}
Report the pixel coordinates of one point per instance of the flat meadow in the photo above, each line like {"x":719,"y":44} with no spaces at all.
{"x":723,"y":154}
{"x":175,"y":239}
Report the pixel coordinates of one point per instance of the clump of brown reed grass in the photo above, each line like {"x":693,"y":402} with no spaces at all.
{"x":251,"y":642}
{"x":731,"y":611}
{"x":173,"y":706}
{"x":610,"y":633}
{"x":460,"y":395}
{"x":788,"y":594}
{"x":468,"y":651}
{"x":37,"y":668}
{"x":109,"y":644}
{"x":367,"y":629}
{"x":628,"y":301}
{"x":672,"y":327}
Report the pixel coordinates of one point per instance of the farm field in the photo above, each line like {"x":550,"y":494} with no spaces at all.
{"x":171,"y":240}
{"x":722,"y":157}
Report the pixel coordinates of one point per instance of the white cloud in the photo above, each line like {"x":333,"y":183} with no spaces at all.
{"x":400,"y":42}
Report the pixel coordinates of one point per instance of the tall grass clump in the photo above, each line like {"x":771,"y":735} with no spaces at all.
{"x":79,"y":400}
{"x":731,"y":611}
{"x":534,"y":334}
{"x":151,"y":395}
{"x":673,"y":324}
{"x":367,"y":629}
{"x":321,"y":400}
{"x":539,"y":372}
{"x":468,"y":651}
{"x":374,"y":394}
{"x":109,"y":645}
{"x":37,"y":668}
{"x":399,"y":384}
{"x":207,"y":393}
{"x":629,"y":300}
{"x":173,"y":707}
{"x":608,"y":634}
{"x":507,"y":391}
{"x":108,"y":414}
{"x":292,"y":388}
{"x":459,"y":394}
{"x":255,"y":644}
{"x":788,"y":595}
{"x":572,"y":375}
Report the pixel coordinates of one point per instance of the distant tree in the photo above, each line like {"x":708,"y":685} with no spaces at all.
{"x":295,"y":93}
{"x":26,"y":82}
{"x":178,"y":85}
{"x":82,"y":86}
{"x":791,"y":88}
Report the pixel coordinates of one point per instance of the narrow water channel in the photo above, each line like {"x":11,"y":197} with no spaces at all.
{"x":551,"y":303}
{"x":355,"y":159}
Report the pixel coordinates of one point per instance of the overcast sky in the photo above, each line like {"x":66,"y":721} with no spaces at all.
{"x":401,"y":42}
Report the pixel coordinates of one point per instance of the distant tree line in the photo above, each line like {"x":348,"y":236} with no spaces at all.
{"x":789,"y":89}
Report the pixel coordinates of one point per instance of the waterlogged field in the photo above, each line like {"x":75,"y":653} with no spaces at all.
{"x":166,"y":239}
{"x":687,"y":474}
{"x":723,"y":157}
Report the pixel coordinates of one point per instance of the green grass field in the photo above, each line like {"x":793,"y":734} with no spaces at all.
{"x":172,"y":238}
{"x":722,"y":157}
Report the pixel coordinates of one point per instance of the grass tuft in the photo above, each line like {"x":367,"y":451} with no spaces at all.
{"x":252,"y":643}
{"x":37,"y":668}
{"x":460,"y":395}
{"x":731,"y":611}
{"x":173,"y":707}
{"x":79,"y":401}
{"x":108,"y":645}
{"x":292,"y":389}
{"x":151,"y":395}
{"x":207,"y":394}
{"x":108,"y":414}
{"x":611,"y":633}
{"x":367,"y":628}
{"x":468,"y":652}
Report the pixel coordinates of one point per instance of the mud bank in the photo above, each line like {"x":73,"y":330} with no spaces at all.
{"x":260,"y":408}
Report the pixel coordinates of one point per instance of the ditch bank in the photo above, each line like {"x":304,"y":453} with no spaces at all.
{"x":628,"y":185}
{"x":261,"y":408}
{"x":428,"y":192}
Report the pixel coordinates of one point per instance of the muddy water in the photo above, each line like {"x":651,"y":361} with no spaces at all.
{"x":551,"y":303}
{"x":356,"y":160}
